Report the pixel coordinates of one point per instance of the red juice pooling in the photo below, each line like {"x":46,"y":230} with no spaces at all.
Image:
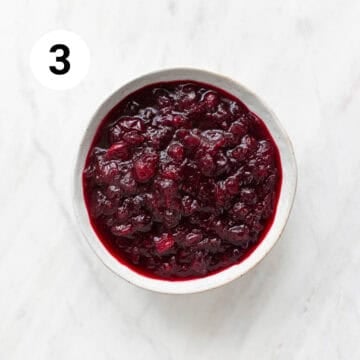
{"x":181,"y":180}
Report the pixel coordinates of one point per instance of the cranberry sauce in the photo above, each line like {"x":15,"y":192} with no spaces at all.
{"x":181,"y":180}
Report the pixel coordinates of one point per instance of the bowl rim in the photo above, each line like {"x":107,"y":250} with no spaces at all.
{"x":285,"y":201}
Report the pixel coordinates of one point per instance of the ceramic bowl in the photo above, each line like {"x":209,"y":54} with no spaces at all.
{"x":285,"y":202}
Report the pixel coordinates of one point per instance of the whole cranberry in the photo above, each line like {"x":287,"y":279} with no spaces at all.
{"x":176,"y":151}
{"x":145,"y":167}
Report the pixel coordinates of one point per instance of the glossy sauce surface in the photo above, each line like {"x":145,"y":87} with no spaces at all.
{"x":181,"y":180}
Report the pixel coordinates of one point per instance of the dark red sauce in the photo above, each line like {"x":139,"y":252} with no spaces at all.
{"x":181,"y":180}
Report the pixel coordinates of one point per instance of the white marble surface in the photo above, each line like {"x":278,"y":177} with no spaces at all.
{"x":57,"y":301}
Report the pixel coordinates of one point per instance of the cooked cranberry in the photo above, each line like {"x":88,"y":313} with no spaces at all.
{"x":181,"y":133}
{"x":164,"y":243}
{"x":162,"y":97}
{"x":192,"y":238}
{"x":112,"y":191}
{"x":199,"y":266}
{"x":220,"y":194}
{"x":159,"y":137}
{"x":222,"y":163}
{"x":133,"y":138}
{"x":171,"y":171}
{"x":238,"y":235}
{"x":239,"y":211}
{"x":123,"y":213}
{"x":171,"y":218}
{"x":249,"y":143}
{"x":181,"y":180}
{"x":122,"y":230}
{"x":141,"y":223}
{"x":238,"y":129}
{"x":128,"y":184}
{"x":186,"y":100}
{"x":239,"y":152}
{"x":213,"y":139}
{"x":190,"y":205}
{"x":211,"y":245}
{"x":176,"y":151}
{"x":105,"y":172}
{"x":191,"y":141}
{"x":145,"y":167}
{"x":132,"y":123}
{"x":98,"y":203}
{"x":167,"y":188}
{"x":211,"y":99}
{"x":119,"y":150}
{"x":248,"y":195}
{"x":115,"y":134}
{"x":178,"y":121}
{"x":264,"y":148}
{"x":232,"y":185}
{"x":206,"y":165}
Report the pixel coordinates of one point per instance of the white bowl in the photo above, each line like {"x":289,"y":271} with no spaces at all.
{"x":285,"y":202}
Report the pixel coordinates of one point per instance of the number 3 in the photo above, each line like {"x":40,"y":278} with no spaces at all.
{"x":63,"y":59}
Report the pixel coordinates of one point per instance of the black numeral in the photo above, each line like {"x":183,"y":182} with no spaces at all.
{"x":62,"y":58}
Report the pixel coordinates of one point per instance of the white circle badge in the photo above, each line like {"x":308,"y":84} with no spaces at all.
{"x":60,"y":59}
